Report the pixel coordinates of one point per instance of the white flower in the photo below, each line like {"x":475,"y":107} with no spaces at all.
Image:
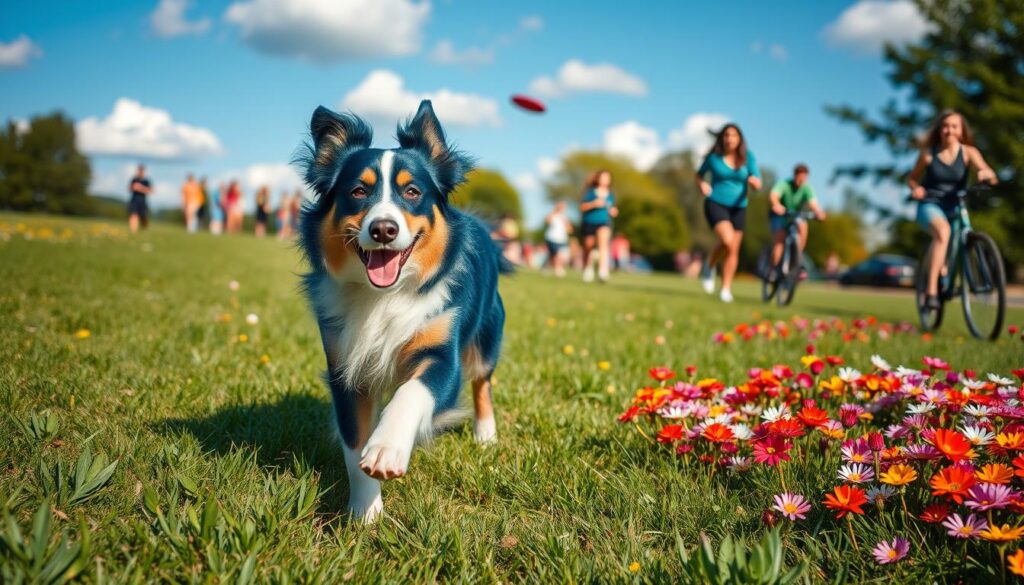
{"x":1000,"y":380}
{"x":849,"y":375}
{"x":233,"y":285}
{"x":750,"y":409}
{"x":882,"y":491}
{"x":252,"y":318}
{"x":775,"y":413}
{"x":739,"y":463}
{"x":903,"y":372}
{"x":673,"y":412}
{"x":979,"y":436}
{"x":741,"y":431}
{"x":920,"y":408}
{"x":978,"y":410}
{"x":974,"y":384}
{"x":881,"y":364}
{"x":722,"y":419}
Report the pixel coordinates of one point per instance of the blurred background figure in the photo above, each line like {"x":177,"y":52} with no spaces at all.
{"x":507,"y":236}
{"x":202,"y":214}
{"x":191,"y":198}
{"x":284,"y":217}
{"x":598,"y":210}
{"x":138,"y":207}
{"x":295,"y":205}
{"x":262,"y":210}
{"x":217,"y":210}
{"x":233,"y":207}
{"x":620,"y":252}
{"x":557,"y":228}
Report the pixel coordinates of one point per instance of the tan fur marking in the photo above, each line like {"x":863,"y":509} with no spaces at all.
{"x":335,"y":239}
{"x":434,"y":333}
{"x":369,"y":177}
{"x":482,"y":405}
{"x":403,"y":178}
{"x":364,"y":418}
{"x":429,"y":251}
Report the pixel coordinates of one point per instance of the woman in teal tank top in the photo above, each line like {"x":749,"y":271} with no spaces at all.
{"x":733,"y":170}
{"x":935,"y":182}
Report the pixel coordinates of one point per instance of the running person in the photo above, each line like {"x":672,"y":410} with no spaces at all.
{"x":733,"y":171}
{"x":556,"y":237}
{"x":598,"y":210}
{"x":138,"y":208}
{"x":944,"y":163}
{"x":791,"y":196}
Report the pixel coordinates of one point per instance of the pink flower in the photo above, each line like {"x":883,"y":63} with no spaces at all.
{"x":771,"y":451}
{"x":958,"y":527}
{"x":792,"y":506}
{"x":990,"y":496}
{"x":891,"y":552}
{"x":935,"y":363}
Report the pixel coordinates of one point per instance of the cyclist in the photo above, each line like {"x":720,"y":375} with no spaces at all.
{"x":790,"y":196}
{"x":936,"y":180}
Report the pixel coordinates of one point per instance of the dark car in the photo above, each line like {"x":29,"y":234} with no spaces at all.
{"x":881,"y":270}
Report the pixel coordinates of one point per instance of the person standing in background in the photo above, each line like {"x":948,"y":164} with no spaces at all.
{"x":191,"y":196}
{"x":217,"y":210}
{"x":295,"y":208}
{"x":284,"y":217}
{"x":138,"y":208}
{"x":733,"y":171}
{"x":620,"y":252}
{"x":202,"y":213}
{"x":233,"y":207}
{"x":556,"y":237}
{"x":262,"y":210}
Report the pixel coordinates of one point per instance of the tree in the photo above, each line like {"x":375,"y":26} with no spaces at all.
{"x":488,"y":194}
{"x":839,"y":233}
{"x":648,"y":213}
{"x":972,"y":61}
{"x":676,"y":171}
{"x":41,"y":168}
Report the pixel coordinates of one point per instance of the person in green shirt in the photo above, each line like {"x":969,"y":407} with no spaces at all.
{"x":791,"y":196}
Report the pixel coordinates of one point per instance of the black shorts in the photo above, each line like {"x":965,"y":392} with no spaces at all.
{"x":137,"y":206}
{"x":261,"y":215}
{"x":716,"y":212}
{"x":553,"y":248}
{"x":590,"y":229}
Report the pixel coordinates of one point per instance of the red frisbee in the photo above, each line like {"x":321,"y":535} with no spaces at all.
{"x":528,"y":103}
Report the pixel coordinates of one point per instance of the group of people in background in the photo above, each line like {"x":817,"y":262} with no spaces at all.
{"x":220,"y":208}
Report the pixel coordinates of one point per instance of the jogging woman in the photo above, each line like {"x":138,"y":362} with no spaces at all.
{"x":598,"y":210}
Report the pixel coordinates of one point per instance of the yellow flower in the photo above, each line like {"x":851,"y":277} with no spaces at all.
{"x":242,"y":338}
{"x":1004,"y":533}
{"x":568,"y":350}
{"x":610,"y":389}
{"x":1011,"y":441}
{"x":634,"y":567}
{"x":1016,"y":562}
{"x":551,"y":322}
{"x":834,"y":384}
{"x":82,"y":333}
{"x":604,"y":365}
{"x":807,"y":360}
{"x":899,"y":474}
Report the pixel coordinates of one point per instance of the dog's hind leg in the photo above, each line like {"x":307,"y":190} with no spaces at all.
{"x":484,"y":429}
{"x":355,"y":418}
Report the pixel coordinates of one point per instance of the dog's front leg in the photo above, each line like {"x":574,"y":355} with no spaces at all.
{"x":406,"y":417}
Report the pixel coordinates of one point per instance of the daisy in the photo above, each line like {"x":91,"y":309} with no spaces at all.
{"x":771,"y":451}
{"x":856,"y":473}
{"x":920,"y":408}
{"x":1016,"y":562}
{"x":891,"y":552}
{"x":775,"y":413}
{"x":1000,"y":380}
{"x":903,"y":372}
{"x":972,"y":384}
{"x":969,"y":527}
{"x":792,"y":506}
{"x":898,"y":475}
{"x":977,"y":435}
{"x":845,"y":499}
{"x":934,"y":513}
{"x":673,"y":412}
{"x":739,"y":463}
{"x":998,"y":473}
{"x":741,"y":431}
{"x":978,"y":410}
{"x":881,"y":364}
{"x":849,"y":375}
{"x":880,"y":493}
{"x":922,"y":452}
{"x":1004,"y":533}
{"x":989,"y":496}
{"x":751,"y":410}
{"x":952,"y":482}
{"x":857,"y":453}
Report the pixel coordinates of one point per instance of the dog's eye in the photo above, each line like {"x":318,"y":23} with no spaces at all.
{"x":411,"y":193}
{"x":359,"y":193}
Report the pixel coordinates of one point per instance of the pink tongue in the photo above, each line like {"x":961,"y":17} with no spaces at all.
{"x":383,"y":266}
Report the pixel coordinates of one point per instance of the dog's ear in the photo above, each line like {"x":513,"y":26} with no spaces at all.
{"x":335,"y":136}
{"x":423,"y":133}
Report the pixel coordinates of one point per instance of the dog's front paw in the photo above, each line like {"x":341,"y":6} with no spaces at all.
{"x":485,"y":431}
{"x":365,"y":512}
{"x":384,"y":461}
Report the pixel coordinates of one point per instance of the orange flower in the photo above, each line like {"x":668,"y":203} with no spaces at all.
{"x":670,"y":433}
{"x":845,"y":499}
{"x":833,"y":384}
{"x":661,"y":373}
{"x":994,"y":473}
{"x":1011,"y":441}
{"x":717,"y":433}
{"x":952,"y":482}
{"x":813,"y":416}
{"x":953,"y":445}
{"x":1004,"y":533}
{"x":1016,"y":562}
{"x":898,"y":474}
{"x":1018,"y":462}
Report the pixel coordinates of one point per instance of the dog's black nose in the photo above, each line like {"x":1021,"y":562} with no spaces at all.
{"x":384,"y":231}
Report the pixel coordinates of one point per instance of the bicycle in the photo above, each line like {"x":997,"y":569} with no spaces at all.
{"x":973,"y":269}
{"x":786,"y":271}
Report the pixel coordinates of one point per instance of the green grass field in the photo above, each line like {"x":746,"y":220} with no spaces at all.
{"x":228,"y":469}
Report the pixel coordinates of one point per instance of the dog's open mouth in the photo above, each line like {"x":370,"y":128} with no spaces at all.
{"x":383,"y":267}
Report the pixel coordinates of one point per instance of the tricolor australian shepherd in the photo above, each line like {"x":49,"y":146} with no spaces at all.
{"x":405,"y":290}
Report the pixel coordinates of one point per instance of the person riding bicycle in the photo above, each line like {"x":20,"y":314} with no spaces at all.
{"x":936,"y":181}
{"x":790,"y":196}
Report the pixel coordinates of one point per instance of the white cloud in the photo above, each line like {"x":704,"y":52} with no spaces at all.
{"x":168,"y":20}
{"x":133,"y":129}
{"x":526,"y":181}
{"x":636,"y":142}
{"x":327,"y":31}
{"x":576,"y":76}
{"x":17,"y":53}
{"x":869,"y":24}
{"x":383,"y":97}
{"x":548,"y":166}
{"x":115,"y":183}
{"x":531,"y":23}
{"x":444,"y":53}
{"x":778,"y":52}
{"x":694,"y":134}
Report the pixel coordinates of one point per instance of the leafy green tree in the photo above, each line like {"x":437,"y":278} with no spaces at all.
{"x":488,"y":194}
{"x":648,"y":213}
{"x":676,"y":171}
{"x":839,"y":233}
{"x":969,"y":61}
{"x":41,"y":168}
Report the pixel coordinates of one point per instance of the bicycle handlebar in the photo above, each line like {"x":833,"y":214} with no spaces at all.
{"x":961,"y":194}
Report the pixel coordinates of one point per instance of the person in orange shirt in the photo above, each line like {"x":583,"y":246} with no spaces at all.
{"x":192,"y":199}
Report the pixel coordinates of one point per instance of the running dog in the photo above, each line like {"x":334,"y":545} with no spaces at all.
{"x":404,"y":287}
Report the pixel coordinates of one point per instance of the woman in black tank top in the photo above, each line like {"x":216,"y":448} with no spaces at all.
{"x":938,"y":176}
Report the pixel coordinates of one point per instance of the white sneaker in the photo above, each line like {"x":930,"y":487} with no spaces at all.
{"x":588,"y":274}
{"x":725,"y":295}
{"x":602,"y":275}
{"x":708,"y":284}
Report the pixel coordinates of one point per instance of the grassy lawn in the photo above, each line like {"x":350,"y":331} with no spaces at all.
{"x":227,"y":464}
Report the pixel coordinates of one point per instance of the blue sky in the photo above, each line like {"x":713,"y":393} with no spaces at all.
{"x":225,"y":88}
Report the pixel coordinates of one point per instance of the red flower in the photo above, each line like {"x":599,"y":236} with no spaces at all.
{"x":952,"y":482}
{"x":952,"y":444}
{"x":718,"y":433}
{"x":671,"y":433}
{"x":771,"y":450}
{"x":691,"y":371}
{"x":934,"y":513}
{"x":812,"y":416}
{"x":845,"y":499}
{"x":786,"y":427}
{"x":630,"y":414}
{"x":834,"y":360}
{"x":1019,"y":464}
{"x":661,"y":373}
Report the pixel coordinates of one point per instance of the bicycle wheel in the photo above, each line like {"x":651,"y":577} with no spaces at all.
{"x":764,"y":269}
{"x":984,"y":286}
{"x":789,"y":275}
{"x":930,"y":319}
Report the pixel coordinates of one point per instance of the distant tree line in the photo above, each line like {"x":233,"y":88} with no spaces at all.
{"x":41,"y":168}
